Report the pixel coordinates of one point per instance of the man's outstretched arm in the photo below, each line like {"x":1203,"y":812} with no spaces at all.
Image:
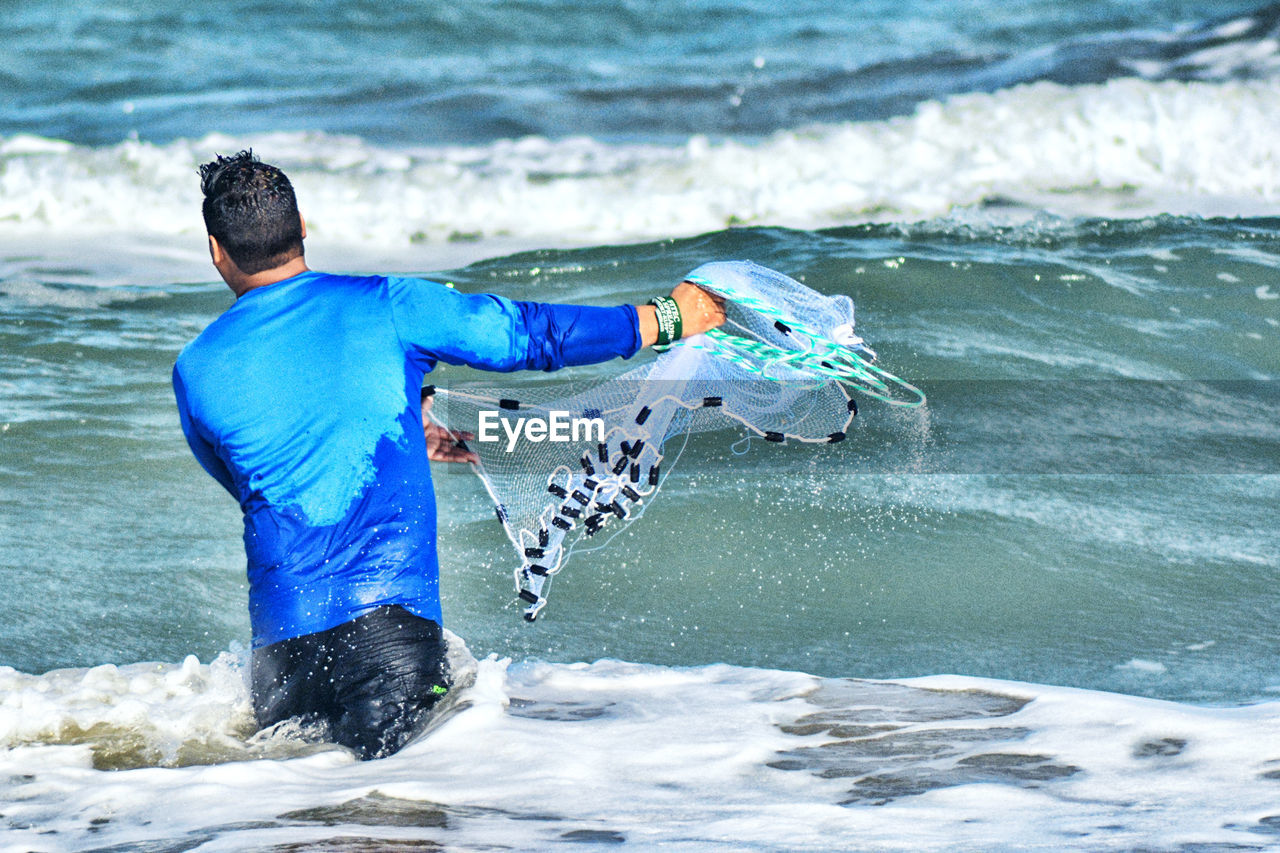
{"x":700,"y":311}
{"x":495,"y":333}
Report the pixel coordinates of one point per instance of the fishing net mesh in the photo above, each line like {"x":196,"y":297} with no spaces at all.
{"x":780,"y":368}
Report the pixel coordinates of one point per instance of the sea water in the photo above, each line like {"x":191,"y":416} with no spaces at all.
{"x":1038,"y":613}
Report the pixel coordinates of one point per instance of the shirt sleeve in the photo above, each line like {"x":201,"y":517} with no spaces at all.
{"x":495,"y":333}
{"x":200,"y":446}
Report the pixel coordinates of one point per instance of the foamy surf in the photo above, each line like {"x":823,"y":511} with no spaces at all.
{"x":704,"y":758}
{"x":1127,"y":148}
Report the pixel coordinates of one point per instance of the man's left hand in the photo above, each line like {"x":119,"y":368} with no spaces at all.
{"x":445,"y":445}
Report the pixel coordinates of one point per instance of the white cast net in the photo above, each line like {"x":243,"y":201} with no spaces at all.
{"x":781,"y":368}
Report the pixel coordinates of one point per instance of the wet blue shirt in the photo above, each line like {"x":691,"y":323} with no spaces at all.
{"x":302,"y":400}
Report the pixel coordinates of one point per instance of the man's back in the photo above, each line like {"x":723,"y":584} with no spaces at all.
{"x":303,"y":399}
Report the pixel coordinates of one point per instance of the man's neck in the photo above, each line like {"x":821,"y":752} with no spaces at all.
{"x":241,"y":284}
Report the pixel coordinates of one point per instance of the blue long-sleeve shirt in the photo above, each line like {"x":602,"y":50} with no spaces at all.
{"x":302,"y":400}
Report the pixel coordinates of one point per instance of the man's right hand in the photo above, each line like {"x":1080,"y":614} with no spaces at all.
{"x":700,"y":310}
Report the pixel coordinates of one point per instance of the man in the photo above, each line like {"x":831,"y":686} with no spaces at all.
{"x":302,"y":400}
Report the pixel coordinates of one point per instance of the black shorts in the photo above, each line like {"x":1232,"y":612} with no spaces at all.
{"x":371,"y":680}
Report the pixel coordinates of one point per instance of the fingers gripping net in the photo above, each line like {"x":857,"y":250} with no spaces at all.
{"x":765,"y":374}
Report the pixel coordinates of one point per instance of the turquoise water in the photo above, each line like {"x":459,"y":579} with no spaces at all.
{"x":1085,"y":489}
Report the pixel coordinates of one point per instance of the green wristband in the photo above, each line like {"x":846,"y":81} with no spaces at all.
{"x":670,"y":323}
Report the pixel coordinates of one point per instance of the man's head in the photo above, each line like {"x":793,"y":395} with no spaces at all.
{"x":250,"y":210}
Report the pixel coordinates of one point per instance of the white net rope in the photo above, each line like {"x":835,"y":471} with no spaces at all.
{"x":780,"y":368}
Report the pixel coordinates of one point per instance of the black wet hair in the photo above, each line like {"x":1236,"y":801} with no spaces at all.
{"x":250,"y":209}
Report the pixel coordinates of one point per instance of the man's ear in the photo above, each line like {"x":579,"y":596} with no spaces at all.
{"x":216,"y":253}
{"x":303,"y":222}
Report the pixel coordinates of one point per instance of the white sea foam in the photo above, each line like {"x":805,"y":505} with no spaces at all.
{"x":1145,"y":667}
{"x":1124,"y":148}
{"x":707,"y":758}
